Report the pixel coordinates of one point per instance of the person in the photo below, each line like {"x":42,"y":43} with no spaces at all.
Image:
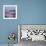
{"x":12,"y":36}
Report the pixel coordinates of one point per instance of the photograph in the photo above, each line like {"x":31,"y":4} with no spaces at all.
{"x":9,"y":11}
{"x":29,"y":34}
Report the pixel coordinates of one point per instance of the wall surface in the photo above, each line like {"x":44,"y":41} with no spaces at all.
{"x":7,"y":26}
{"x":33,"y":12}
{"x":28,"y":12}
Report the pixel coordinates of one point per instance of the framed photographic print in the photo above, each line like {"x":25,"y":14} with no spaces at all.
{"x":33,"y":32}
{"x":9,"y":11}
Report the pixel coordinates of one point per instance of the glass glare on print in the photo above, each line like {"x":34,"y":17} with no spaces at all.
{"x":10,"y":11}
